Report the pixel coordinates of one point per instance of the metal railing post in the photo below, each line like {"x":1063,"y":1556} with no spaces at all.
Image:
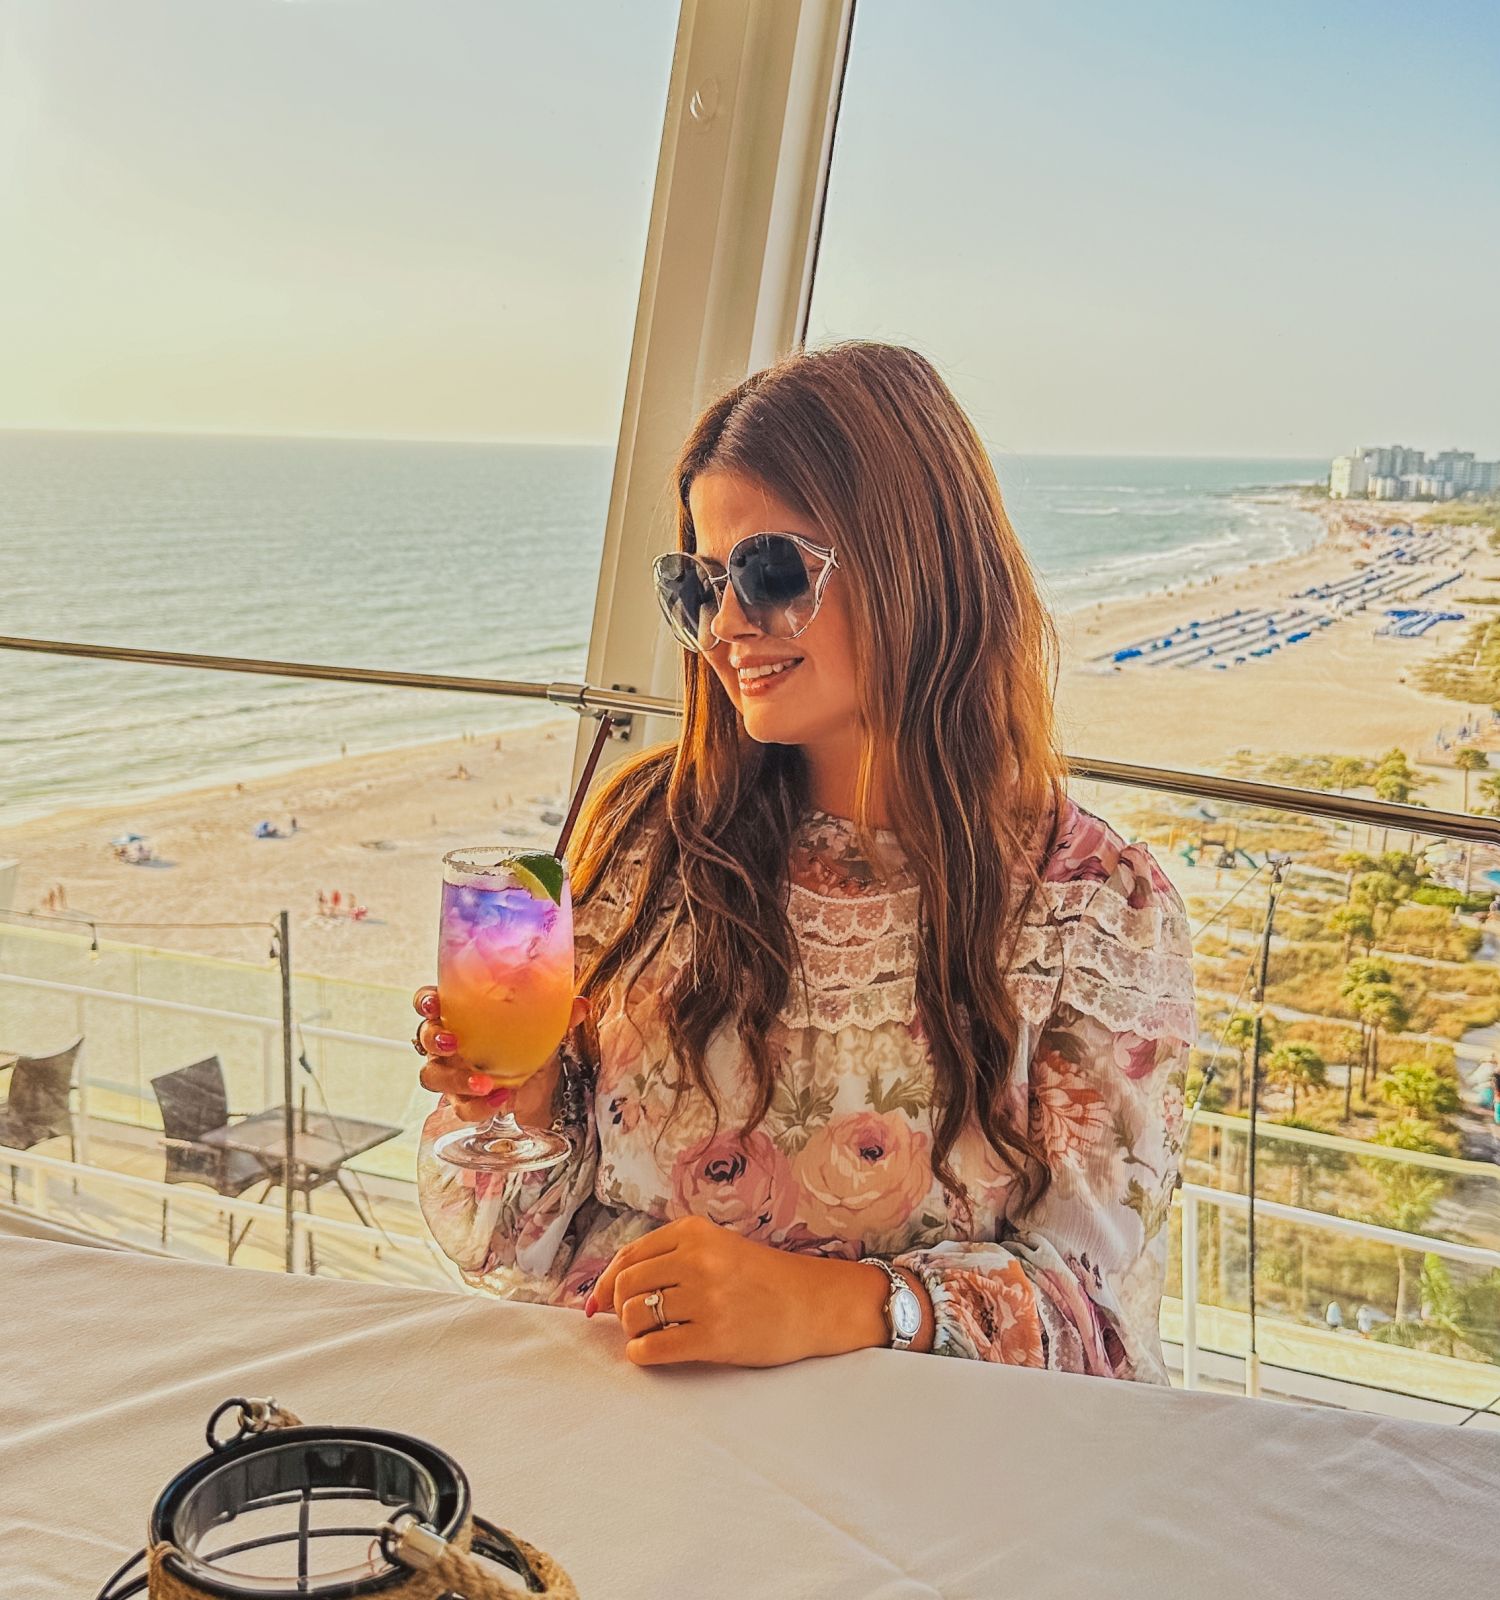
{"x":289,"y":1120}
{"x":296,"y":1242}
{"x":1189,"y":1202}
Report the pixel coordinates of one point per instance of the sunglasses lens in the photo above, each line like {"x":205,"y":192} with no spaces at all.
{"x":771,"y":582}
{"x":687,"y":599}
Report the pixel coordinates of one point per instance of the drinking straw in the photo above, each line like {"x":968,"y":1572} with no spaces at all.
{"x":606,"y":722}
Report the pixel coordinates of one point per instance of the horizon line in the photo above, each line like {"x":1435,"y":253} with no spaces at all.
{"x":598,"y":444}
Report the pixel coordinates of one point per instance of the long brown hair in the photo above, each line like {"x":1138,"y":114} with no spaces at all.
{"x":957,"y":662}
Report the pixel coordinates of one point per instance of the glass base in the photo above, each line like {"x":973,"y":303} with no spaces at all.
{"x":502,"y":1145}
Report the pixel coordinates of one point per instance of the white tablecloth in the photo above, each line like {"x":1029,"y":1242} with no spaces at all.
{"x":876,"y":1476}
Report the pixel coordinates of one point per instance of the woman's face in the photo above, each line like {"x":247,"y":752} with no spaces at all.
{"x":812,"y":702}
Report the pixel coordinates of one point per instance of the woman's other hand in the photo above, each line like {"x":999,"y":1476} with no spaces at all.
{"x":737,"y":1302}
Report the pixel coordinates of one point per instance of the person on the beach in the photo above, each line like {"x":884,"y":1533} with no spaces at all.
{"x":874,"y":1019}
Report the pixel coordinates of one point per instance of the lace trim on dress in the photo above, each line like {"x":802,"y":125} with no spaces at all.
{"x":829,"y":1010}
{"x":1082,"y":945}
{"x":840,"y":920}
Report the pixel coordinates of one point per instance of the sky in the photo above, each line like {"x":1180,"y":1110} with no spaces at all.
{"x":1160,"y":228}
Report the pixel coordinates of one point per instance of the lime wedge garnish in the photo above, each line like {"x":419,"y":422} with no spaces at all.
{"x":540,"y":873}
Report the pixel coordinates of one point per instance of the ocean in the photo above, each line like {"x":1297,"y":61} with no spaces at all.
{"x":476,"y":559}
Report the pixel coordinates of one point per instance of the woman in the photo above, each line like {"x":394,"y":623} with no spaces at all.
{"x":882,"y":1038}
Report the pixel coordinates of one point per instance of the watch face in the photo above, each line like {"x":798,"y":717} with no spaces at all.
{"x":906,"y":1313}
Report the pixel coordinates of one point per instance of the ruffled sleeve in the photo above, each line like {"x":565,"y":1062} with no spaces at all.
{"x":527,"y":1236}
{"x":1105,"y":981}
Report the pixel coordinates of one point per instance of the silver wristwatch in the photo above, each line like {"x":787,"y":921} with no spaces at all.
{"x":903,"y":1311}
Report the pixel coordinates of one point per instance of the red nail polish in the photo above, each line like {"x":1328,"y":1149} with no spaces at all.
{"x":446,"y":1043}
{"x":429,"y":1005}
{"x":480,"y":1084}
{"x":589,"y":1308}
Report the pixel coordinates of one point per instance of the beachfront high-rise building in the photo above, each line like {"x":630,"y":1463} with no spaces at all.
{"x":1348,"y":478}
{"x":1399,"y":472}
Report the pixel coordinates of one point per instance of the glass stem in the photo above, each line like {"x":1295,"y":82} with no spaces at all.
{"x":502,"y":1125}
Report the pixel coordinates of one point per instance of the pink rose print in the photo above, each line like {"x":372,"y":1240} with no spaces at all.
{"x":1134,"y":1056}
{"x":998,"y":1313}
{"x":1083,"y":850}
{"x":621,"y":1046}
{"x":804,"y":1241}
{"x":746,"y":1186}
{"x":624,"y":1111}
{"x":1068,"y":1116}
{"x":864,"y":1175}
{"x":574,"y":1289}
{"x":985,"y":1174}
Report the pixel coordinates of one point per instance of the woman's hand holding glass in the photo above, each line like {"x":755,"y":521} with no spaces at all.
{"x":473,"y":1096}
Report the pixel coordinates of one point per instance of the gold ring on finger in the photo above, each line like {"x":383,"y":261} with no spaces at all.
{"x":654,"y":1300}
{"x":416,"y":1041}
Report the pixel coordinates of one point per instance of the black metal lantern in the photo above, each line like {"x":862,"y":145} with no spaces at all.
{"x":280,"y":1509}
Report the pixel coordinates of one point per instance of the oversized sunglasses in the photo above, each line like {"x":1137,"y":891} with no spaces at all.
{"x":778,"y":579}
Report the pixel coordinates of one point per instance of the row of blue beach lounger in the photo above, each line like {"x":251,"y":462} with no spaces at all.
{"x":1411,"y":622}
{"x":1245,"y":633}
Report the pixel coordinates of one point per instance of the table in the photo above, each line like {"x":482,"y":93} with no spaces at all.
{"x":873,"y":1476}
{"x":321,"y":1144}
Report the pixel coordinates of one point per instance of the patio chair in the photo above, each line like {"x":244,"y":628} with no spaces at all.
{"x":37,"y":1105}
{"x":193,"y":1102}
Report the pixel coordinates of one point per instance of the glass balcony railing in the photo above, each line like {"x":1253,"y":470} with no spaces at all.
{"x":1373,"y":1278}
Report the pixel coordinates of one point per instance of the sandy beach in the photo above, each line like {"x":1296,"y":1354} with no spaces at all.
{"x":1343,"y":691}
{"x":373,"y":827}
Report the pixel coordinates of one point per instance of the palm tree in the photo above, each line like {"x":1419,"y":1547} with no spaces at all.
{"x":1350,"y":1048}
{"x":1351,"y":923}
{"x":1396,"y":780}
{"x":1297,"y":1064}
{"x":1417,"y":1087}
{"x":1239,"y":1035}
{"x":1381,"y":1007}
{"x":1346,"y":772}
{"x":1361,"y":971}
{"x":1381,"y":890}
{"x":1410,"y":1193}
{"x":1358,"y":976}
{"x":1468,"y":759}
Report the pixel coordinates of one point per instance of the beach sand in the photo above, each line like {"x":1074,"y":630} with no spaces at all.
{"x":1343,"y":691}
{"x":375,"y":826}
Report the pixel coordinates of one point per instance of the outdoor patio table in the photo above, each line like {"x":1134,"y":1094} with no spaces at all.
{"x":321,"y":1144}
{"x":874,"y":1476}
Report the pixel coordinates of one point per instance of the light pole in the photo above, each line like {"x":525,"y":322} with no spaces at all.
{"x":1277,"y":861}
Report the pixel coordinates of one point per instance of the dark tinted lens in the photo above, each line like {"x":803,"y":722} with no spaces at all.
{"x":687,"y":599}
{"x":767,"y":570}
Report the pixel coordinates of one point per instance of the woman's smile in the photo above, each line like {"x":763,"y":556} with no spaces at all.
{"x":757,"y":679}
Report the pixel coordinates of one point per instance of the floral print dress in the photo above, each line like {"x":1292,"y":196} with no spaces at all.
{"x":842,"y":1164}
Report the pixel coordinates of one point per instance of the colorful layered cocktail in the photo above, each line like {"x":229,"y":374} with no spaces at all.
{"x":505,"y":989}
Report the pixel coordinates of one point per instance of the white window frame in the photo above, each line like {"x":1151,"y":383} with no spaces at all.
{"x":725,"y":289}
